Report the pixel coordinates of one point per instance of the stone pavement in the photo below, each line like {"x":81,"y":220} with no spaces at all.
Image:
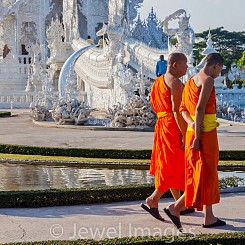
{"x":106,"y":220}
{"x":22,"y":131}
{"x":111,"y":220}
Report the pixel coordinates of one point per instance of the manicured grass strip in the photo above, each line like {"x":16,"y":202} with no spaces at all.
{"x":230,"y":162}
{"x":68,"y":159}
{"x":99,"y":153}
{"x":234,"y":238}
{"x":99,"y":162}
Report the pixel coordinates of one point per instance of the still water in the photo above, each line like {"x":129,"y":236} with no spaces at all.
{"x":40,"y":177}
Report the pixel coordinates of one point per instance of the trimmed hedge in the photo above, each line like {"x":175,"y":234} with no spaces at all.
{"x":65,"y":197}
{"x":76,"y":152}
{"x":5,"y":114}
{"x":92,"y":195}
{"x":235,"y":238}
{"x":99,"y":153}
{"x":232,"y":155}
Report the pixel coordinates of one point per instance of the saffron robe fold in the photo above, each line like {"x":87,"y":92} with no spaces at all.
{"x":167,"y":159}
{"x":201,"y":178}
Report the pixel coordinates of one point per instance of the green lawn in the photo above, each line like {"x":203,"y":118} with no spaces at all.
{"x":82,"y":159}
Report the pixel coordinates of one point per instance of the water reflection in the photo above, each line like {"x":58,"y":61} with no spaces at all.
{"x":39,"y":177}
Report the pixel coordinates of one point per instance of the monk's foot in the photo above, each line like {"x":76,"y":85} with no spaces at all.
{"x":151,"y":203}
{"x":173,"y":211}
{"x":210,"y":220}
{"x":214,"y":223}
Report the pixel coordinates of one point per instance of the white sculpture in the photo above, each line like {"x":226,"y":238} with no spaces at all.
{"x":236,"y":72}
{"x":71,"y":112}
{"x":136,"y":113}
{"x":184,"y":34}
{"x":150,"y":31}
{"x":39,"y":113}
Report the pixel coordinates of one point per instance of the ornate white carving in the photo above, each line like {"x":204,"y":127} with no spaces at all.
{"x":137,"y":112}
{"x":55,"y":32}
{"x":59,"y":50}
{"x":8,"y":37}
{"x":70,"y":20}
{"x":132,"y":9}
{"x":11,"y":7}
{"x":184,"y":34}
{"x":71,"y":112}
{"x":150,"y":32}
{"x":39,"y":113}
{"x":28,"y":33}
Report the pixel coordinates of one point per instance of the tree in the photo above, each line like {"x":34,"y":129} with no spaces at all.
{"x":229,"y":44}
{"x":241,"y":61}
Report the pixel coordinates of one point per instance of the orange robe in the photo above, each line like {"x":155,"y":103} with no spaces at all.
{"x":202,"y":184}
{"x":167,"y":159}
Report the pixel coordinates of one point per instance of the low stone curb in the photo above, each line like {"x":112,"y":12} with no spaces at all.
{"x":233,"y":190}
{"x":51,"y":124}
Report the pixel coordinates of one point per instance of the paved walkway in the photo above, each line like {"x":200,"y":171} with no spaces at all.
{"x":106,"y":220}
{"x":110,"y":220}
{"x":22,"y":131}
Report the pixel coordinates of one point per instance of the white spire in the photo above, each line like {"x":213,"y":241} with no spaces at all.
{"x":209,"y":49}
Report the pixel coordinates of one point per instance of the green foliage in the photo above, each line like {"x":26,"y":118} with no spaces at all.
{"x":239,"y":81}
{"x":76,"y":152}
{"x":5,"y":114}
{"x":92,"y":195}
{"x":173,"y":41}
{"x":229,"y":44}
{"x":230,"y":182}
{"x":65,"y":197}
{"x":232,"y":238}
{"x":232,"y":155}
{"x":241,"y":61}
{"x":98,"y":153}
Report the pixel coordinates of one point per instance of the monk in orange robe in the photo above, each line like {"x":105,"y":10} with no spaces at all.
{"x":198,"y":108}
{"x":167,"y":160}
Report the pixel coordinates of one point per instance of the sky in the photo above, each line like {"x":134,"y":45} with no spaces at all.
{"x":205,"y":14}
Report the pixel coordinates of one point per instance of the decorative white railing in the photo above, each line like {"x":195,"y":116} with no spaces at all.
{"x":93,"y":65}
{"x":16,"y":99}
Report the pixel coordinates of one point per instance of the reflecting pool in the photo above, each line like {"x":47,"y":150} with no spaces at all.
{"x":40,"y":177}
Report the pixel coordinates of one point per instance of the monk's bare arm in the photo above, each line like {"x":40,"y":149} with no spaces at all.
{"x":188,"y":119}
{"x":206,"y":89}
{"x":176,"y":88}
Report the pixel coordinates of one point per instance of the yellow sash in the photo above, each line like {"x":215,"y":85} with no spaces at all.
{"x":164,"y":114}
{"x":209,"y":123}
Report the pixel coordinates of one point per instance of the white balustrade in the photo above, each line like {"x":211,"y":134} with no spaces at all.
{"x":18,"y":99}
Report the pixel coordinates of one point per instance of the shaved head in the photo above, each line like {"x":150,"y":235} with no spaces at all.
{"x":176,"y":57}
{"x":214,"y":58}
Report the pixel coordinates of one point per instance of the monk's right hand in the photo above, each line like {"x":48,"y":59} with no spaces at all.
{"x":192,"y":125}
{"x":195,"y":144}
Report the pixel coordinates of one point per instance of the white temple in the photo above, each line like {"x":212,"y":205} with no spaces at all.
{"x":38,"y":36}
